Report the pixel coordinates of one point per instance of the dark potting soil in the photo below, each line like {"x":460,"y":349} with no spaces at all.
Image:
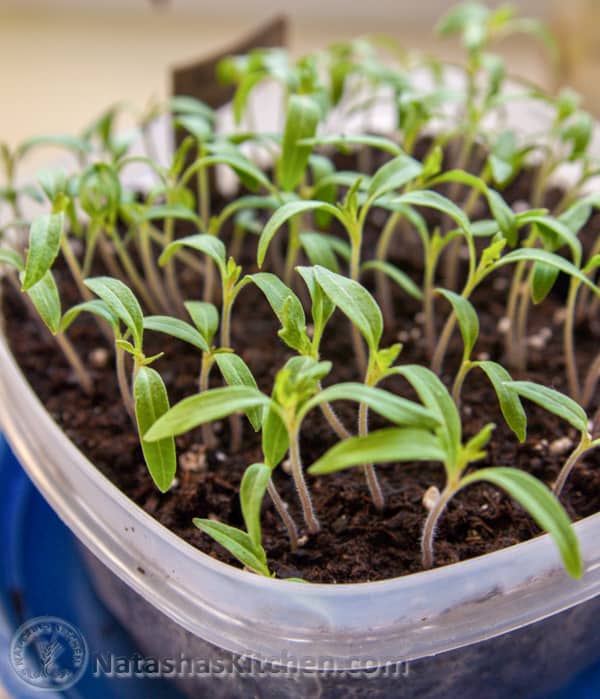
{"x":356,"y":542}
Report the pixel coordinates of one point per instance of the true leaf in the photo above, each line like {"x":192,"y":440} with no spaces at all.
{"x":44,"y":245}
{"x":538,"y":500}
{"x":151,"y":402}
{"x":390,"y":444}
{"x":210,"y":405}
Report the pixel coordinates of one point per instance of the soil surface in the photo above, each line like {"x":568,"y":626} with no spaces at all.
{"x":356,"y":543}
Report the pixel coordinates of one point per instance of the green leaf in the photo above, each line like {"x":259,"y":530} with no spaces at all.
{"x":195,"y":124}
{"x":236,"y":372}
{"x":205,"y":407}
{"x":151,"y":402}
{"x":346,"y":141}
{"x":390,"y":444}
{"x":433,"y":200}
{"x":542,"y":281}
{"x":121,"y":302}
{"x":549,"y":258}
{"x":288,"y":309}
{"x":468,"y":322}
{"x":282,"y":215}
{"x":46,"y":299}
{"x":398,"y":410}
{"x":237,"y":542}
{"x":11,"y":257}
{"x":275,"y":438}
{"x":176,"y":328}
{"x":183,"y":104}
{"x":159,"y":212}
{"x":435,"y":397}
{"x":396,"y":275}
{"x":552,"y":401}
{"x":355,"y":302}
{"x":510,"y":405}
{"x":539,"y":501}
{"x":44,"y":245}
{"x":96,"y":306}
{"x":60,"y":140}
{"x":319,"y":250}
{"x":302,"y":119}
{"x":205,"y":317}
{"x":202,"y":242}
{"x":252,"y":491}
{"x":393,"y":175}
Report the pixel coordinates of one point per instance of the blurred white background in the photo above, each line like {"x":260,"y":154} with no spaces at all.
{"x":62,"y":61}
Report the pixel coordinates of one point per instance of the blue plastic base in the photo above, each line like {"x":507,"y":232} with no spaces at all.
{"x":41,"y":574}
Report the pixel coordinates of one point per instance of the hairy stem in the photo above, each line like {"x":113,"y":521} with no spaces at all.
{"x":369,"y":470}
{"x":520,"y":348}
{"x":123,"y":383}
{"x":208,"y":436}
{"x":459,"y":379}
{"x":133,"y":276}
{"x":570,"y":464}
{"x":442,"y":345}
{"x":298,"y":474}
{"x":357,"y":341}
{"x":429,"y":306}
{"x":150,"y":271}
{"x":384,"y":289}
{"x":282,"y":511}
{"x":171,"y":280}
{"x":590,"y":382}
{"x":430,"y":526}
{"x":83,"y":377}
{"x":569,"y":342}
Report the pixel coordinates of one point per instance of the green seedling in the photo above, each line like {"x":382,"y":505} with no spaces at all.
{"x":446,"y":445}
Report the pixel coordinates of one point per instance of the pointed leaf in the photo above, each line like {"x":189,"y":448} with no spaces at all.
{"x":176,"y":328}
{"x":399,"y":410}
{"x":468,"y":322}
{"x":202,"y":242}
{"x":390,"y":444}
{"x":237,"y":373}
{"x":121,"y":302}
{"x":396,"y":275}
{"x":252,"y":491}
{"x":46,"y":299}
{"x":237,"y":542}
{"x":205,"y":317}
{"x":302,"y":119}
{"x":355,"y":302}
{"x":282,"y":215}
{"x":96,"y":306}
{"x":205,"y":407}
{"x":510,"y":405}
{"x":44,"y":245}
{"x":539,"y":501}
{"x":393,"y":175}
{"x":151,"y":402}
{"x":552,"y":401}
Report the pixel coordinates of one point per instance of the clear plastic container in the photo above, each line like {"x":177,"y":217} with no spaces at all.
{"x":510,"y":623}
{"x":406,"y":619}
